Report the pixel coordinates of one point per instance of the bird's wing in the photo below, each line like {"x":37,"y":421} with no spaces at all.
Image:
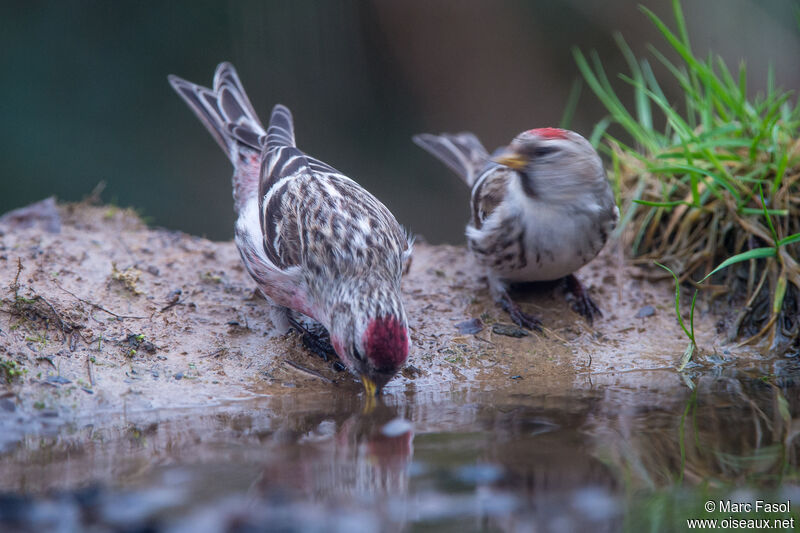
{"x":489,"y":191}
{"x":280,"y":201}
{"x":313,"y":215}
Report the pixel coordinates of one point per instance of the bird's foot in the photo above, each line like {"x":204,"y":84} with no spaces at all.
{"x":581,"y":302}
{"x":518,"y":316}
{"x":317,"y":343}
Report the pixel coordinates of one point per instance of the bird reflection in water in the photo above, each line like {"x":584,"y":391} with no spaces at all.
{"x":341,"y":455}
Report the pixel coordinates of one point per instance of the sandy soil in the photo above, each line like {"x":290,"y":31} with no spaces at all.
{"x":102,"y":313}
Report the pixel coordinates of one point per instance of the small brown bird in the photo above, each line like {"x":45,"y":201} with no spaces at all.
{"x":314,"y":241}
{"x":541,"y":209}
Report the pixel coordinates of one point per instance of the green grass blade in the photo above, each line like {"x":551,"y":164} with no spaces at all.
{"x":677,"y":167}
{"x":780,"y":293}
{"x":677,"y":301}
{"x":599,"y":84}
{"x":677,"y":11}
{"x":628,"y":214}
{"x":766,"y":215}
{"x":755,"y":253}
{"x":754,"y":211}
{"x":643,"y":112}
{"x":791,"y":239}
{"x":680,"y":76}
{"x":572,"y":104}
{"x":674,"y":118}
{"x":668,"y":205}
{"x":707,"y":109}
{"x":697,"y":69}
{"x":599,"y":130}
{"x":691,"y":313}
{"x":780,"y":171}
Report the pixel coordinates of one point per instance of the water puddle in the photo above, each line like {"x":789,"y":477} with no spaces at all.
{"x":605,"y":459}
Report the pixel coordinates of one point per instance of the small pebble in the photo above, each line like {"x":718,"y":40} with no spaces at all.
{"x":470,"y":327}
{"x":646,"y":311}
{"x":60,"y":380}
{"x":179,"y":375}
{"x":509,"y":331}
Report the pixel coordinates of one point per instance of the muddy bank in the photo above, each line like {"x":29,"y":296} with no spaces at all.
{"x":101,"y":313}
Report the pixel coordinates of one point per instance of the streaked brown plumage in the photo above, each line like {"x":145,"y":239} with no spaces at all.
{"x":314,"y":240}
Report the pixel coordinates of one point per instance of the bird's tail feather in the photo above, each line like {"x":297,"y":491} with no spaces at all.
{"x":225,"y":111}
{"x":461,"y":152}
{"x":229,"y":116}
{"x":281,"y":128}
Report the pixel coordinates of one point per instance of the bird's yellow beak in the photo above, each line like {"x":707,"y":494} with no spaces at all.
{"x":369,"y":386}
{"x":512,"y":160}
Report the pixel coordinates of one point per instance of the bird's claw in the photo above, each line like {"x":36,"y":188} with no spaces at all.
{"x":582,"y":303}
{"x":315,"y":343}
{"x":319,"y":346}
{"x":526,"y":320}
{"x":518,"y":316}
{"x":586,"y":308}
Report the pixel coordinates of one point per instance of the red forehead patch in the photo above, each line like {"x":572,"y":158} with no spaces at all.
{"x":386,"y":343}
{"x":550,"y":133}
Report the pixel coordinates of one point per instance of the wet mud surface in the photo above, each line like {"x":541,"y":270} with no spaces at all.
{"x":144,"y":375}
{"x":107,"y":313}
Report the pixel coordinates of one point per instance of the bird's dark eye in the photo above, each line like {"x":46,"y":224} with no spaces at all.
{"x":541,"y":151}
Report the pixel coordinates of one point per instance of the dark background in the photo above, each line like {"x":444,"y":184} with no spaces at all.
{"x":84,"y":96}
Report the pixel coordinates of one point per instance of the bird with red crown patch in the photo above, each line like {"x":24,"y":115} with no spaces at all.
{"x":314,"y":241}
{"x":542,"y":208}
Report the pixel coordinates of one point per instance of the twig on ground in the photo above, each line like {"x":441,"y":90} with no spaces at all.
{"x":98,"y":306}
{"x":90,"y":369}
{"x":308,"y":371}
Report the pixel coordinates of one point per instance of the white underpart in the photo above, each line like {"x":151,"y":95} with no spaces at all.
{"x":248,"y":237}
{"x":248,"y":228}
{"x":551,"y":229}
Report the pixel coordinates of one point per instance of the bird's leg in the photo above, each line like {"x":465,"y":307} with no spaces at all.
{"x":279,"y":316}
{"x":518,"y":316}
{"x":316,"y":343}
{"x":581,"y":302}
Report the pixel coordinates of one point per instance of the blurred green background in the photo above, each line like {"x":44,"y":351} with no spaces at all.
{"x":84,"y":96}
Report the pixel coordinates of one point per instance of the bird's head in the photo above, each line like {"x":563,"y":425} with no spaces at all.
{"x":371,"y":337}
{"x":555,"y":164}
